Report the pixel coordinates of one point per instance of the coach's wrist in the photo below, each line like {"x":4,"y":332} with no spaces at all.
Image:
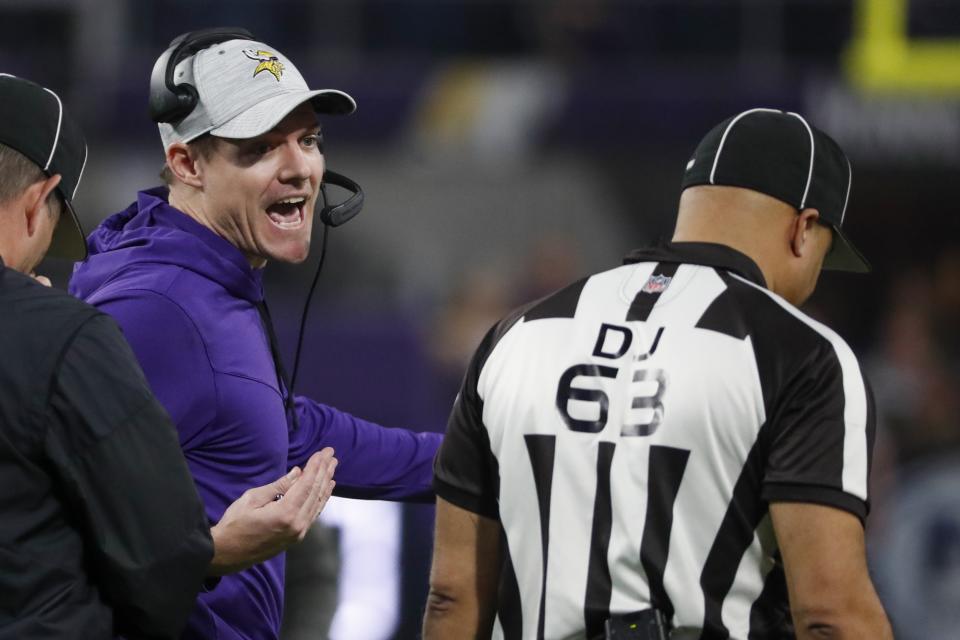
{"x":226,"y":558}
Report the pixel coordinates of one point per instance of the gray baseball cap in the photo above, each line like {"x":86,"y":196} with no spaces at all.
{"x":245,"y":89}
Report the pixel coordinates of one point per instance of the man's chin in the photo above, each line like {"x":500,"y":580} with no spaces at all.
{"x":291,"y":255}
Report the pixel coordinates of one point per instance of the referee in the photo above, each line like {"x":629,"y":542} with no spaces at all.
{"x":671,"y":448}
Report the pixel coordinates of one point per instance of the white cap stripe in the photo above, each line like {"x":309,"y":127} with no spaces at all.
{"x":803,"y":200}
{"x":56,"y":137}
{"x":846,"y":199}
{"x":86,"y":152}
{"x":723,"y":139}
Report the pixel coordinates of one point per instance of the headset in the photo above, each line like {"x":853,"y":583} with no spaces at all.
{"x":171,"y":103}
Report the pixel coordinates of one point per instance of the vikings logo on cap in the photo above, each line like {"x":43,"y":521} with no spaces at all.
{"x":268,"y":62}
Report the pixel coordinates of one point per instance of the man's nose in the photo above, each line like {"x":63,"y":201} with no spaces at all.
{"x":296,"y":166}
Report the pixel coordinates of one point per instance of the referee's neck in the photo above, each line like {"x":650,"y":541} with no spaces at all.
{"x":750,"y":222}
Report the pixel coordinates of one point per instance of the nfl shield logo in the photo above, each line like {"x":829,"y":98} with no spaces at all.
{"x":657,"y":284}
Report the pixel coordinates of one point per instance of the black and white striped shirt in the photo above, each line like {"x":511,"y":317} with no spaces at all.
{"x":629,"y":432}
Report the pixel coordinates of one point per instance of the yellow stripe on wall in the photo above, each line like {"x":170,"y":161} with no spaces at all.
{"x":883,"y":58}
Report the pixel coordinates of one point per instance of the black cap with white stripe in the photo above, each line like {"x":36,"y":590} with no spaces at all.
{"x":780,"y":154}
{"x":33,"y":122}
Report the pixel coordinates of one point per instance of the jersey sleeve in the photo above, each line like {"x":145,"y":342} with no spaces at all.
{"x":173,"y":357}
{"x":822,"y":434}
{"x":374,"y":462}
{"x":465,"y":471}
{"x":118,"y":462}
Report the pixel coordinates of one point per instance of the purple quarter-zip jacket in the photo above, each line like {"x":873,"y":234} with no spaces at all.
{"x":186,"y":301}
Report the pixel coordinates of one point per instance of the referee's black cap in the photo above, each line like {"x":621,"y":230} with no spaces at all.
{"x":34,"y":122}
{"x":780,"y":154}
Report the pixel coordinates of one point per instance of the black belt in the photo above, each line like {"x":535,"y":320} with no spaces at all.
{"x":649,"y":624}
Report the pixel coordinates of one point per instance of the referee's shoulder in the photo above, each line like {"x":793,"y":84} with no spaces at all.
{"x":37,"y":305}
{"x":790,"y":327}
{"x":561,"y":303}
{"x":45,"y":320}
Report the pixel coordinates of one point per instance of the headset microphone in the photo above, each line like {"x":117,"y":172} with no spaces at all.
{"x":331,"y":216}
{"x":336,"y":215}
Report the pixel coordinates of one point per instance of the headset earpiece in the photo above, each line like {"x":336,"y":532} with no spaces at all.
{"x":172,"y":102}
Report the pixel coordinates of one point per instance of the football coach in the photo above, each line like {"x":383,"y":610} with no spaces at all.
{"x":181,"y":271}
{"x":102,"y":531}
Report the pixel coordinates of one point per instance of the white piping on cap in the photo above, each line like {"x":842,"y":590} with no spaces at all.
{"x":803,"y":201}
{"x":86,"y":152}
{"x":723,"y":139}
{"x":846,"y":199}
{"x":56,"y":138}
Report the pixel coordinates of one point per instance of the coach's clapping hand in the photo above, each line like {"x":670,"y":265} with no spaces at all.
{"x":44,"y":280}
{"x":267,"y":520}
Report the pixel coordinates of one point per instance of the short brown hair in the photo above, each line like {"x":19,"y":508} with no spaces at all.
{"x":17,"y":172}
{"x":204,"y":146}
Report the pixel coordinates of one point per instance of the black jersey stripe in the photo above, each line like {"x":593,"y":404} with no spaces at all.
{"x":542,"y":451}
{"x":644,"y":302}
{"x":871,"y":427}
{"x":770,"y":613}
{"x":562,"y":304}
{"x":596,"y":608}
{"x":743,"y":514}
{"x":509,"y":609}
{"x":725,"y":314}
{"x":666,"y":468}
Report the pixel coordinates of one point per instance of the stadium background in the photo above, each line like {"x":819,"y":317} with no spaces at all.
{"x":507,"y":147}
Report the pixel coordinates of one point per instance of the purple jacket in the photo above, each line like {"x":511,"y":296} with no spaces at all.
{"x":185,"y":299}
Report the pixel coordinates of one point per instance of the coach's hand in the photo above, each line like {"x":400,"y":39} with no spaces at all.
{"x":267,"y":520}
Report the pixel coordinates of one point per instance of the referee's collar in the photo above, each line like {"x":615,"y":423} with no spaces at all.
{"x":705,"y":253}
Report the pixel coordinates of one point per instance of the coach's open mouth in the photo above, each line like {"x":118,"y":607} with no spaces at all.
{"x":288,"y":212}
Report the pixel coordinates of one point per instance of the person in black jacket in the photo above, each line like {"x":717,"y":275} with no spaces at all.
{"x":102,"y":532}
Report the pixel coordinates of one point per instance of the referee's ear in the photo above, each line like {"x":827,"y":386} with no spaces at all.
{"x":33,"y":200}
{"x":803,"y":233}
